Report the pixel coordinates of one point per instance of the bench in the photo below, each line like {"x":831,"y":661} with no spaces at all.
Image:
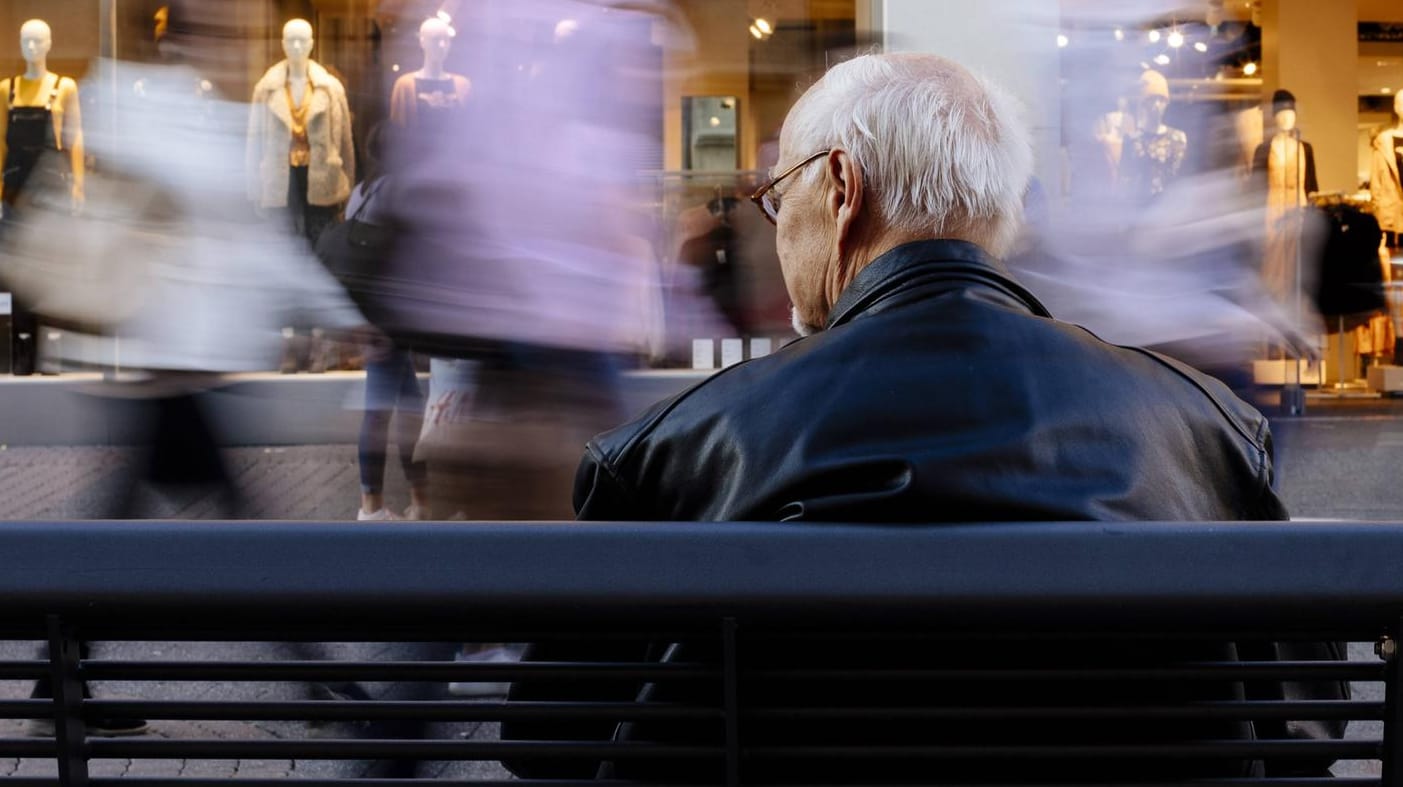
{"x":737,"y":595}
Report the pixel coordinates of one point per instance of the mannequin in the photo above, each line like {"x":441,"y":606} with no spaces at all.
{"x":419,"y":96}
{"x":42,"y":113}
{"x":301,"y":154}
{"x":42,"y":116}
{"x":1153,"y":157}
{"x":1385,"y":188}
{"x":1285,"y":166}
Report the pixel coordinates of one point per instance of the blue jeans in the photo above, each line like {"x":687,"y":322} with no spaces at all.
{"x":391,"y":387}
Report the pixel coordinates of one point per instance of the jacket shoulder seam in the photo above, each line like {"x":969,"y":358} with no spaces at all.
{"x":1229,"y":416}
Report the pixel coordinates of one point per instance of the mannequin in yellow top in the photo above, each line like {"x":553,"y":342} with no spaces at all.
{"x":42,"y":113}
{"x":419,"y":96}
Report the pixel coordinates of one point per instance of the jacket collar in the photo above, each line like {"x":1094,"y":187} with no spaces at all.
{"x":924,"y":262}
{"x":270,"y":87}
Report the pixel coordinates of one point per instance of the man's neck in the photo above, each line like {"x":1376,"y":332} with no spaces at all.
{"x":858,"y":257}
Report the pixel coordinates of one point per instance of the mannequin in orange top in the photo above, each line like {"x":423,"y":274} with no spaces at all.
{"x":417,"y":97}
{"x":41,"y":114}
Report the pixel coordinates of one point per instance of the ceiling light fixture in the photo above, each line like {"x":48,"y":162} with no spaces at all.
{"x":1250,"y":68}
{"x":1176,"y":39}
{"x":1162,"y":59}
{"x":1063,"y":41}
{"x":1200,"y":46}
{"x":1154,"y":36}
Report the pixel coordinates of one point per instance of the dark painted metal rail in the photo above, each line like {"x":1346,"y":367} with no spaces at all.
{"x":729,"y":653}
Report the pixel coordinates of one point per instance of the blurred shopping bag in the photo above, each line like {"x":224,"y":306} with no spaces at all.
{"x":451,"y":386}
{"x":89,"y":269}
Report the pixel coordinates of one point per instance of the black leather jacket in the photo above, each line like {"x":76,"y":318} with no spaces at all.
{"x":940,"y":391}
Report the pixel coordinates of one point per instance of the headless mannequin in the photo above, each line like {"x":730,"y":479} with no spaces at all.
{"x":431,"y":90}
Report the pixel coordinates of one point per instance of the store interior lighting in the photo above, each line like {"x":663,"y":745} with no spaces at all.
{"x":1154,"y":36}
{"x":761,"y":29}
{"x":1250,"y":69}
{"x":1176,"y":39}
{"x":1162,"y":59}
{"x":1063,"y":41}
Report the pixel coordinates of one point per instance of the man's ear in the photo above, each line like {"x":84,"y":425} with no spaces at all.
{"x":845,"y":199}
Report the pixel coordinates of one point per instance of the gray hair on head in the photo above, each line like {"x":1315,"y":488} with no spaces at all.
{"x":943,"y":150}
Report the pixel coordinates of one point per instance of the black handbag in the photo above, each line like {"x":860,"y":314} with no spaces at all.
{"x":358,"y":253}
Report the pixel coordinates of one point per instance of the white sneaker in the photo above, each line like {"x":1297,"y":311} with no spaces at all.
{"x":499,"y":654}
{"x":416,"y":513}
{"x":383,"y":515}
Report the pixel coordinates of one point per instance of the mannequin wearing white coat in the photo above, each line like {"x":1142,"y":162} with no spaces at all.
{"x":301,"y":155}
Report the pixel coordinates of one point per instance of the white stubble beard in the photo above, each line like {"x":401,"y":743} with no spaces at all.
{"x":800,"y":327}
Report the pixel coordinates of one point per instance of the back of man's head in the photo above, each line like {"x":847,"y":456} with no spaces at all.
{"x":945,"y":152}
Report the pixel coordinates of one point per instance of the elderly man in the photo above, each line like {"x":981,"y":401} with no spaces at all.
{"x":931,"y":386}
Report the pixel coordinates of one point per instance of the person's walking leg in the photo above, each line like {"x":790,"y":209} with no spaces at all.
{"x":380,"y":393}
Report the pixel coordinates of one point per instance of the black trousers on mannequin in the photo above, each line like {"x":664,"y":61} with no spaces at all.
{"x":308,"y":220}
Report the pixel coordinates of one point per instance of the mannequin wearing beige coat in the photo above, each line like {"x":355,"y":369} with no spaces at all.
{"x":1385,"y":186}
{"x":330,"y":163}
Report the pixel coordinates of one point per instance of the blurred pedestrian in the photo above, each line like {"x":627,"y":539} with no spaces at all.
{"x":209,"y":285}
{"x":930,"y":387}
{"x":392,"y":391}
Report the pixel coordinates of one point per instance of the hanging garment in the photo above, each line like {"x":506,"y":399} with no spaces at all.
{"x":1285,"y":166}
{"x":1350,"y":280}
{"x":29,"y":133}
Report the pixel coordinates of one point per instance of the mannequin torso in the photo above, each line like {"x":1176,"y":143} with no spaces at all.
{"x":420,"y":96}
{"x":42,"y":113}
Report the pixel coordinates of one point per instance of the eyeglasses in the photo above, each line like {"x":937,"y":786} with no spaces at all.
{"x":767,"y":199}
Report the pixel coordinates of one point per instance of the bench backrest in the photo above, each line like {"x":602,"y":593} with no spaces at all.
{"x":742,"y":653}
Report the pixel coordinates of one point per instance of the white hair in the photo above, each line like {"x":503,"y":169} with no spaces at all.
{"x":942,"y":150}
